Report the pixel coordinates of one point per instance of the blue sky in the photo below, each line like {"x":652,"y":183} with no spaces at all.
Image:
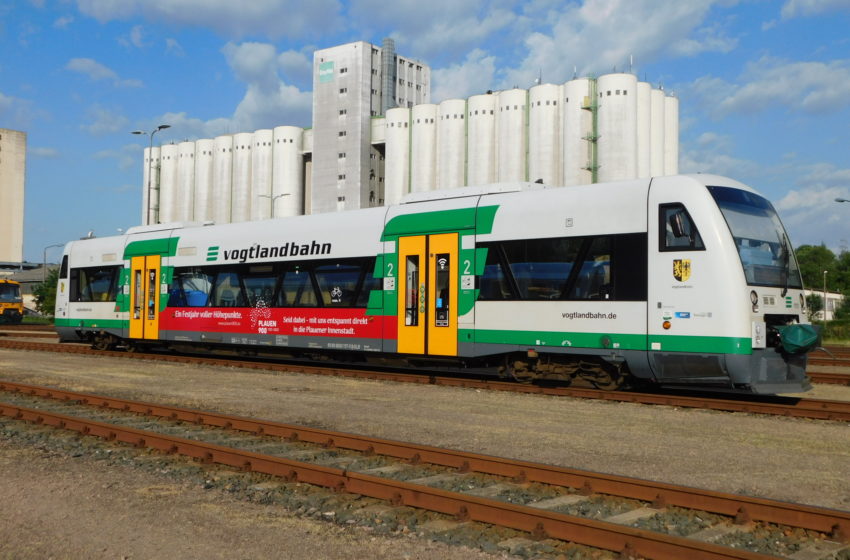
{"x":764,"y":85}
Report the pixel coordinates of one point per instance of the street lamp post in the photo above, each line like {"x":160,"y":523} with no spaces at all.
{"x":824,"y":296}
{"x":150,"y":163}
{"x":44,"y":261}
{"x":274,"y":197}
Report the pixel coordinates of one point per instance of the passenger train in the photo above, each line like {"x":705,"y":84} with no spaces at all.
{"x":685,"y":281}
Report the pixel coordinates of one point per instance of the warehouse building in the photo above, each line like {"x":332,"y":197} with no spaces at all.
{"x":376,"y":137}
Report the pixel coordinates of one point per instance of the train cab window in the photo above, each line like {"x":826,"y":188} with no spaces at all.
{"x":338,"y":283}
{"x":98,"y":283}
{"x":63,"y":268}
{"x":227,"y":291}
{"x":677,"y":231}
{"x":297,"y":287}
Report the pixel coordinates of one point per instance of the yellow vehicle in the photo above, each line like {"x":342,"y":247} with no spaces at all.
{"x":11,"y":303}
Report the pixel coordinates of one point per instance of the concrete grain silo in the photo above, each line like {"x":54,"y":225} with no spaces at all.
{"x":287,"y":172}
{"x":423,"y":148}
{"x":617,"y":117}
{"x":397,"y":160}
{"x":203,"y":180}
{"x":451,"y":144}
{"x":544,"y":134}
{"x":240,"y":200}
{"x":222,"y":178}
{"x":513,"y":135}
{"x":150,"y":182}
{"x":481,"y":139}
{"x":169,"y":155}
{"x":262,"y":152}
{"x":656,"y":133}
{"x":579,"y":102}
{"x":643,"y":129}
{"x":185,"y":197}
{"x":671,"y":136}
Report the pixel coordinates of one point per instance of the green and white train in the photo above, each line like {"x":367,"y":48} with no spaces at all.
{"x":677,"y":281}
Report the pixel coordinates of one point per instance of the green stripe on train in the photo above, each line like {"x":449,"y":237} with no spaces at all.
{"x":92,"y":323}
{"x":611,"y":341}
{"x":165,"y":246}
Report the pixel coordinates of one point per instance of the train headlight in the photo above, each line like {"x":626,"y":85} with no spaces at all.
{"x":754,"y":298}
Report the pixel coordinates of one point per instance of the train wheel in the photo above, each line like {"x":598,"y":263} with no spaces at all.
{"x":103,"y":342}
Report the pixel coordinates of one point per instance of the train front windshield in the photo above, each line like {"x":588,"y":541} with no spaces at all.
{"x":760,"y":237}
{"x":10,"y":293}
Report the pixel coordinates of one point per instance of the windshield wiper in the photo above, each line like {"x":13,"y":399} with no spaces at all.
{"x":786,"y":264}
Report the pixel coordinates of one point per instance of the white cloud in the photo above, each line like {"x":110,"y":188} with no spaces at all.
{"x":810,"y":210}
{"x":101,"y":121}
{"x":126,"y":156}
{"x":97,"y":71}
{"x":428,"y":29}
{"x":268,"y":18}
{"x":42,"y":153}
{"x":18,"y":113}
{"x":796,"y":8}
{"x":602,"y":35}
{"x":472,"y":76}
{"x":712,"y":153}
{"x":172,"y":46}
{"x":268,"y":102}
{"x":63,"y":22}
{"x":809,"y":87}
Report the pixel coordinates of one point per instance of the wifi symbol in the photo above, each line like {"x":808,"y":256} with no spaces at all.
{"x":443,"y":262}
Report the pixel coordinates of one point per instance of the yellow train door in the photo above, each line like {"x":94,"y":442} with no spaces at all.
{"x":145,"y":297}
{"x":427,"y":302}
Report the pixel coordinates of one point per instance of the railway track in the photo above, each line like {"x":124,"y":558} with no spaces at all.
{"x":632,"y":517}
{"x":816,"y":409}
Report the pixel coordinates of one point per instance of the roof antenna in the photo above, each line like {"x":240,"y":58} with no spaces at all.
{"x":631,"y":63}
{"x":575,"y":72}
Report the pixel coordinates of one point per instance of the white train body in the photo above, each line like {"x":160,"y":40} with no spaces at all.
{"x":676,"y":280}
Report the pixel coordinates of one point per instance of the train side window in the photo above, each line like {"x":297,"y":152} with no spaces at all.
{"x":338,"y":283}
{"x":541,"y":267}
{"x":494,"y":284}
{"x":594,"y":277}
{"x":190,"y":287}
{"x":227,"y":291}
{"x":260,"y":285}
{"x":63,"y":268}
{"x":677,"y":231}
{"x":370,"y":283}
{"x":97,"y":283}
{"x":297,"y":287}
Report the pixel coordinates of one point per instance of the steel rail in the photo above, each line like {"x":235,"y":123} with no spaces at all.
{"x":801,"y":408}
{"x":830,"y":378}
{"x":742,"y":508}
{"x":628,"y":541}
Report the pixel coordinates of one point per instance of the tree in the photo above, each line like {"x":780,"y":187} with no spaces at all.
{"x":45,"y":293}
{"x":813,"y":260}
{"x":814,"y":305}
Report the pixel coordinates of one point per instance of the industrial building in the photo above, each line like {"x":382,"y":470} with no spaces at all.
{"x":13,"y":165}
{"x":377,"y":137}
